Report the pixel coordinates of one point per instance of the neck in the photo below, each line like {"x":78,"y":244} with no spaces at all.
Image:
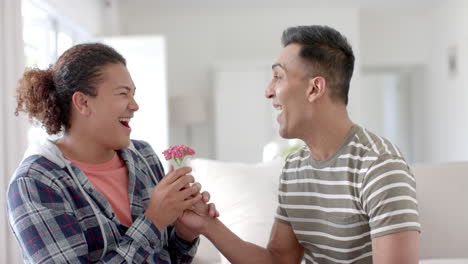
{"x":84,"y":149}
{"x":328,"y":133}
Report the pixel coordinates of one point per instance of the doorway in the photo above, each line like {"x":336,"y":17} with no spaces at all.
{"x":392,"y":108}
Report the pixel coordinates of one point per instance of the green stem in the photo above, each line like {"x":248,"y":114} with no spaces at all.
{"x":179,"y":162}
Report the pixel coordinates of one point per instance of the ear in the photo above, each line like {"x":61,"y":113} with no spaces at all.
{"x":80,"y":103}
{"x":316,"y":88}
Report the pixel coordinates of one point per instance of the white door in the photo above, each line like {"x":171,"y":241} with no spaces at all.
{"x":386,"y":108}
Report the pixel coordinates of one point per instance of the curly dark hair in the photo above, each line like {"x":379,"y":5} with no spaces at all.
{"x":45,"y":95}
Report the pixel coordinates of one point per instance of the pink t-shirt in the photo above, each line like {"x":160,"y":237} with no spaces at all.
{"x":111,"y":179}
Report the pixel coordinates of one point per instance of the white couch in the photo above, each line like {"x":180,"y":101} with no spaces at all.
{"x":245,"y":195}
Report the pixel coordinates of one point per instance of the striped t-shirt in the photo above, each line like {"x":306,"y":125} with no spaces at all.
{"x":336,"y":206}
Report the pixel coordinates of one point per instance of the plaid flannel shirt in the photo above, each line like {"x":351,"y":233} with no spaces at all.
{"x":53,"y":221}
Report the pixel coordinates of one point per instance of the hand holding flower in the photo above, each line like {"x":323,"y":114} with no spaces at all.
{"x":189,"y":224}
{"x":178,"y":155}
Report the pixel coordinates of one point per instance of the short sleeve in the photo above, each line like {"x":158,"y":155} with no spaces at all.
{"x":388,"y":195}
{"x":281,"y":214}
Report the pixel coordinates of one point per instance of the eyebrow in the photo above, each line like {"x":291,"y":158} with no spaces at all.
{"x":124,"y":87}
{"x":278,"y":65}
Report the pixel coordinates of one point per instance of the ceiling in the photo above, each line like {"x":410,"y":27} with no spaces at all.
{"x":287,"y":4}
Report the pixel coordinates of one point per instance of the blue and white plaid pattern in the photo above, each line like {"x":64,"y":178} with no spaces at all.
{"x":54,"y":223}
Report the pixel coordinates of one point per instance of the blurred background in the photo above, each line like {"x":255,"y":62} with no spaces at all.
{"x":201,"y":68}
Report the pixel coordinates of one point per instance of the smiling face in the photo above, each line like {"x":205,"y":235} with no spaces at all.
{"x":113,"y":107}
{"x":288,"y":92}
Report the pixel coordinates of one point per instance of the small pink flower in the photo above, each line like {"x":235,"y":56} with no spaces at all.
{"x":178,"y":153}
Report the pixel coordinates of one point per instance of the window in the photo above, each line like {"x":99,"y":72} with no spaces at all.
{"x":46,"y":36}
{"x":38,"y":35}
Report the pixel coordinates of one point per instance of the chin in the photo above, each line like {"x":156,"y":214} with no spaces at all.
{"x":283,"y":134}
{"x":288,"y":134}
{"x":122,"y":144}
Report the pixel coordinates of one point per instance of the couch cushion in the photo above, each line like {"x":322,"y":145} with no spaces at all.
{"x":244,"y":194}
{"x":444,"y":261}
{"x":442,"y":193}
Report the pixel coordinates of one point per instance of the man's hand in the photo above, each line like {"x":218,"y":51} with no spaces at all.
{"x":169,"y":198}
{"x":192,"y":222}
{"x":202,"y":208}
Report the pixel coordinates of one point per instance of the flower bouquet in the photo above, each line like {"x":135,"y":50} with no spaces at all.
{"x":178,"y":154}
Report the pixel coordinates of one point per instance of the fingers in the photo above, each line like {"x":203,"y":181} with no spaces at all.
{"x":191,"y":201}
{"x":206,"y":197}
{"x":212,"y":210}
{"x":183,"y":181}
{"x":174,"y":175}
{"x":191,"y":191}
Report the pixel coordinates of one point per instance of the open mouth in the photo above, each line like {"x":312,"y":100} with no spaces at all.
{"x":125,"y":122}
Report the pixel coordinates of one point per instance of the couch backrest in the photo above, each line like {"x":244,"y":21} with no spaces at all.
{"x":442,"y":193}
{"x":246,"y":196}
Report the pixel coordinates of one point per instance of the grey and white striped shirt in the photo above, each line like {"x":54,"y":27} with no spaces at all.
{"x":336,"y":206}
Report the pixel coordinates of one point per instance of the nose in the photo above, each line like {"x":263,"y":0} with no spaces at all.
{"x":270,"y":91}
{"x":133,"y":105}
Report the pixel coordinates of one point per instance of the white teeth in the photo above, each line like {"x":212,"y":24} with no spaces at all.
{"x":124,"y":119}
{"x":279,"y":108}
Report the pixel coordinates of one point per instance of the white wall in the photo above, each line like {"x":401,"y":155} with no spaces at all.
{"x":199,"y":38}
{"x":394,"y":37}
{"x":447,"y":95}
{"x":421,"y":39}
{"x":87,"y":14}
{"x":240,"y":129}
{"x":397,"y":41}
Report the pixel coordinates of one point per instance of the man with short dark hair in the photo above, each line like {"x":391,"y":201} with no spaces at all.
{"x":348,"y":196}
